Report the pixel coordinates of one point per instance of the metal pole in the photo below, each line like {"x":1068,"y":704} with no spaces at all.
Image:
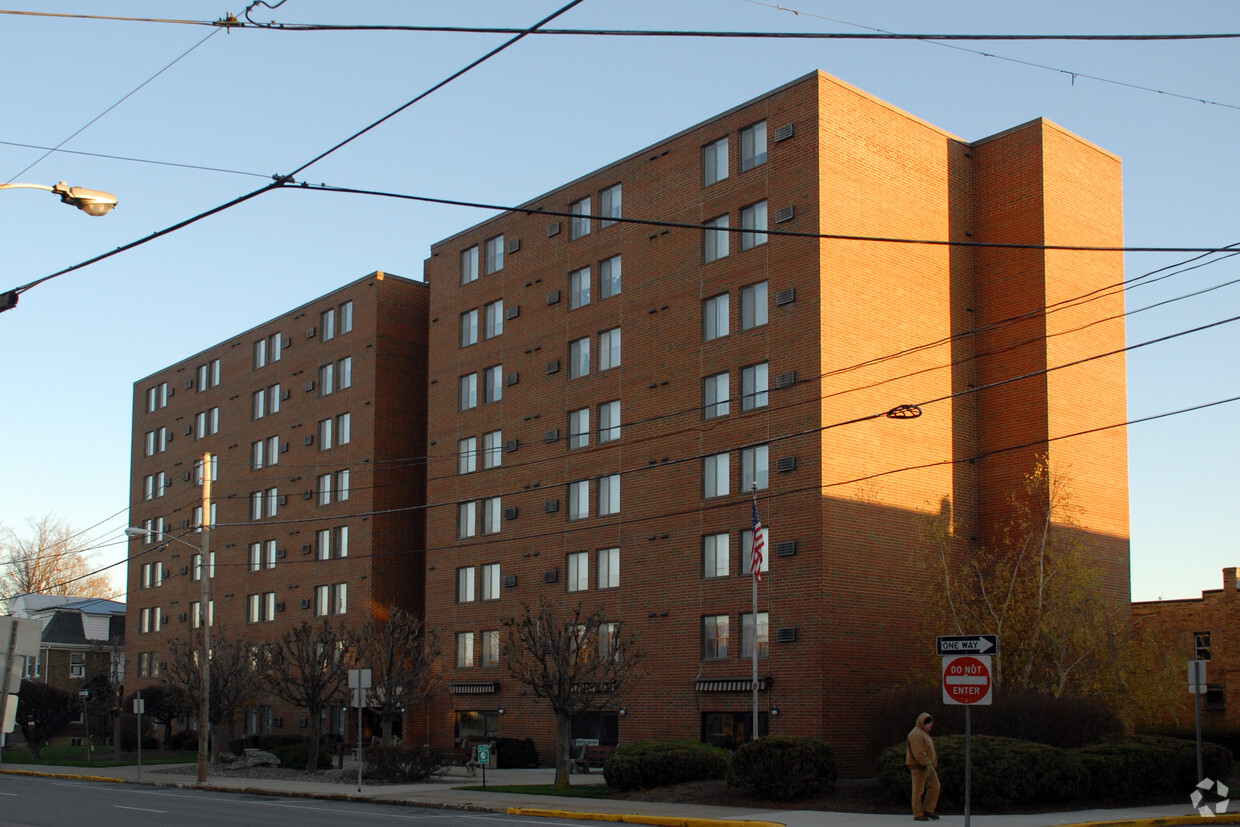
{"x":359,"y":734}
{"x":753,"y":577}
{"x":1201,"y":773}
{"x":138,"y":703}
{"x":4,"y":690}
{"x":204,"y":608}
{"x":968,"y":738}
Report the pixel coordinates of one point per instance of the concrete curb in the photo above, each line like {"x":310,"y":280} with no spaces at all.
{"x":107,"y":778}
{"x":660,"y":821}
{"x":1168,"y":821}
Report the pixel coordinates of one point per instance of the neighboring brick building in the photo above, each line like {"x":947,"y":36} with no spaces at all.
{"x":1203,"y":628}
{"x":602,"y":393}
{"x":317,"y":424}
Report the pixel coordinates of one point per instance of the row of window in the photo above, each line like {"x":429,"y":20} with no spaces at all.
{"x":153,"y":485}
{"x":608,"y":425}
{"x":492,"y":315}
{"x":717,"y":235}
{"x":336,"y":376}
{"x":717,"y":555}
{"x":717,"y":471}
{"x":608,"y":489}
{"x":492,"y":388}
{"x":580,"y":283}
{"x":207,"y":422}
{"x":608,"y":353}
{"x":717,"y":393}
{"x":332,"y":599}
{"x":207,"y":375}
{"x":716,"y":636}
{"x":332,"y":485}
{"x":715,"y":167}
{"x":468,"y":655}
{"x":467,"y":517}
{"x":152,"y":575}
{"x":492,"y":452}
{"x":494,"y":259}
{"x":149,"y":620}
{"x":610,"y":203}
{"x":717,"y":314}
{"x":157,"y":397}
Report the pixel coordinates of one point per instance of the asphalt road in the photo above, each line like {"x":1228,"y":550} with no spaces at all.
{"x":57,"y":802}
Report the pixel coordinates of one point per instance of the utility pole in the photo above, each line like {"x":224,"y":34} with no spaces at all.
{"x":204,"y":611}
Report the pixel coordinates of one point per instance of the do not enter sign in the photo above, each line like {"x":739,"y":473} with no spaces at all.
{"x":966,"y":679}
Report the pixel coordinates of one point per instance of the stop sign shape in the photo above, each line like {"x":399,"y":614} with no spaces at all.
{"x":966,"y":679}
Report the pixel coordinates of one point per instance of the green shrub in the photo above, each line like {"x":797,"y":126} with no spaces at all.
{"x":1149,"y":767}
{"x":648,"y":764}
{"x":515,"y":753}
{"x":293,"y":752}
{"x":1005,"y":772}
{"x":783,"y":767}
{"x":402,"y":764}
{"x":183,"y":740}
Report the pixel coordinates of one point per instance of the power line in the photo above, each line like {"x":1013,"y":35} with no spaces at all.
{"x":61,"y":151}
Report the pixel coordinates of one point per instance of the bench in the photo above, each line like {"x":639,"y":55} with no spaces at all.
{"x":466,"y":756}
{"x":591,"y":756}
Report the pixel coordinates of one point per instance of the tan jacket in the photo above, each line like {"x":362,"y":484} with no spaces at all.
{"x":920,"y":751}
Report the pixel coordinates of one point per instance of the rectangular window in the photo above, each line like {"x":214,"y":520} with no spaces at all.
{"x":609,"y":277}
{"x":469,"y":392}
{"x":325,"y":434}
{"x":1201,"y":646}
{"x":715,"y":317}
{"x":715,"y":637}
{"x":579,"y":288}
{"x":579,"y":571}
{"x":715,"y":239}
{"x":256,"y":556}
{"x":322,"y":601}
{"x":753,"y":306}
{"x":464,"y":650}
{"x":258,"y":451}
{"x":273,"y":501}
{"x":469,"y":328}
{"x":342,"y":540}
{"x":746,"y":555}
{"x":469,"y":265}
{"x":344,"y":429}
{"x":213,"y":467}
{"x":254,"y":612}
{"x":609,"y":495}
{"x":714,"y":162}
{"x":346,"y":317}
{"x":490,"y":649}
{"x":492,"y":513}
{"x":579,"y":358}
{"x":324,"y":488}
{"x":579,"y":222}
{"x":715,"y":396}
{"x":495,"y":254}
{"x":753,"y":222}
{"x":467,"y":455}
{"x":609,"y":422}
{"x":327,"y":379}
{"x":323,"y":544}
{"x":269,"y":554}
{"x":260,"y":354}
{"x":609,"y":206}
{"x":754,"y":387}
{"x":494,"y":384}
{"x":715,"y":555}
{"x":495,"y":319}
{"x":715,"y":474}
{"x":465,"y":590}
{"x":327,"y":325}
{"x":747,"y":635}
{"x":466,"y":520}
{"x":269,"y":606}
{"x":342,"y":485}
{"x":608,"y":568}
{"x":492,"y":449}
{"x":149,"y":444}
{"x":344,"y":373}
{"x":609,"y":349}
{"x":754,"y":467}
{"x":490,"y":581}
{"x":579,"y":500}
{"x":260,"y":404}
{"x":579,"y":428}
{"x":753,"y":146}
{"x":148,"y":487}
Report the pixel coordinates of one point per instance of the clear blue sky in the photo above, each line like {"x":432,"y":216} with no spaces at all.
{"x":544,"y":112}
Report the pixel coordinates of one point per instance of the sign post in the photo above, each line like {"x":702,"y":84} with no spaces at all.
{"x":139,"y":706}
{"x":967,"y":682}
{"x":359,"y":682}
{"x":1197,"y":686}
{"x":484,"y":758}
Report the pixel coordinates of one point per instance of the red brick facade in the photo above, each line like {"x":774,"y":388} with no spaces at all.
{"x":842,"y":582}
{"x":384,"y":354}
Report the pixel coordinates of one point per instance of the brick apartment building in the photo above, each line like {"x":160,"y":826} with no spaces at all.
{"x":603,"y":393}
{"x":1201,"y":628}
{"x":316,"y":423}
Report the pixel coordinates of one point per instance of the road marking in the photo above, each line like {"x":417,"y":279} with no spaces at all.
{"x":12,"y":794}
{"x":143,"y":809}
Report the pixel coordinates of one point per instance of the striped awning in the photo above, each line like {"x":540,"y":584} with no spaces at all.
{"x":730,"y":684}
{"x":486,"y":688}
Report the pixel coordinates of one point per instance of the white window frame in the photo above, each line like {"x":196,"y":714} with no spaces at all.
{"x":327,"y":378}
{"x":344,"y":373}
{"x":342,"y":485}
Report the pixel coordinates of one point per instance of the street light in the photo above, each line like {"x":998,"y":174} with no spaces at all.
{"x":91,"y":202}
{"x":204,"y":654}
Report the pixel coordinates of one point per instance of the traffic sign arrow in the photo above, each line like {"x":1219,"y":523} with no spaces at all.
{"x":967,"y":645}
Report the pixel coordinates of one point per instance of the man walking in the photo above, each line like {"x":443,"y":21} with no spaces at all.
{"x":921,"y":762}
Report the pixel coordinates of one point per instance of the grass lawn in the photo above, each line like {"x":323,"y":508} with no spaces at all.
{"x":583,"y":791}
{"x":61,"y":756}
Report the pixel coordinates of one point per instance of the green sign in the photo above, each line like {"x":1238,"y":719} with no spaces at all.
{"x":484,"y":753}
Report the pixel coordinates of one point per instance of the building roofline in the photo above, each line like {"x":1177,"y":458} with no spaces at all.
{"x":1052,"y":126}
{"x":381,"y":275}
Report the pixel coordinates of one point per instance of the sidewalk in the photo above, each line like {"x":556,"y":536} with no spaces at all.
{"x":444,"y":794}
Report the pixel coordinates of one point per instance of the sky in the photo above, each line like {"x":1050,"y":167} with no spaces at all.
{"x":222,"y":111}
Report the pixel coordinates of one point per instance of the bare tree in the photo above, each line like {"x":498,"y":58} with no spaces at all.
{"x":309,"y":668}
{"x":402,"y":657}
{"x":106,"y":687}
{"x":51,"y":560}
{"x":43,"y":711}
{"x":237,"y":676}
{"x":163,"y":706}
{"x":577,"y":662}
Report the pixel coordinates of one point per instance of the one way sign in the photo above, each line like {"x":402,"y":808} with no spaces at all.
{"x":967,"y":645}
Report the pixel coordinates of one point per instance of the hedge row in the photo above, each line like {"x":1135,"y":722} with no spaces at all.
{"x":1008,"y":771}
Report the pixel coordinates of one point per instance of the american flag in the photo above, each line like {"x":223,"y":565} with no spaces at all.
{"x":759,"y":542}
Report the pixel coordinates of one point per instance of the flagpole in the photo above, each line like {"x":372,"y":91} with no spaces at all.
{"x":754,"y":568}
